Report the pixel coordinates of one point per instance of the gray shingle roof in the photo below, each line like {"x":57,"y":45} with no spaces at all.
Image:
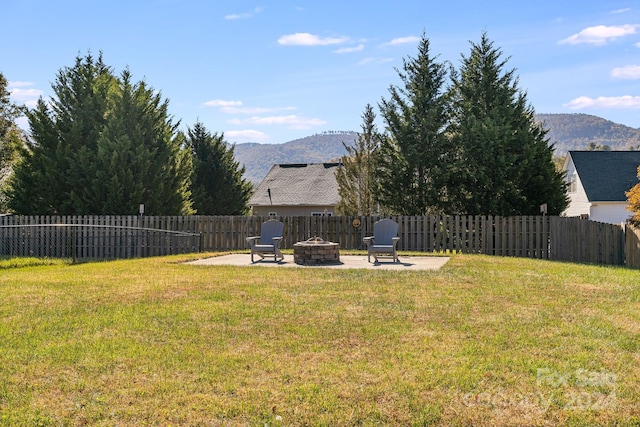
{"x":298,"y":184}
{"x":606,"y":175}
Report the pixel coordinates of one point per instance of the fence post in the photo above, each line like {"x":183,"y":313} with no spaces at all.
{"x":74,"y":244}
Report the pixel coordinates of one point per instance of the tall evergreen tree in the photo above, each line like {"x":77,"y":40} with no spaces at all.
{"x":140,"y":158}
{"x":54,"y":178}
{"x":217,"y":186}
{"x":508,"y":162}
{"x":357,"y":178}
{"x":51,"y":180}
{"x":12,"y":142}
{"x":102,"y":145}
{"x":413,"y":169}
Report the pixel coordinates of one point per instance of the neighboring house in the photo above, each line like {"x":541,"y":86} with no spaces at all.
{"x":306,"y":189}
{"x":597,"y":182}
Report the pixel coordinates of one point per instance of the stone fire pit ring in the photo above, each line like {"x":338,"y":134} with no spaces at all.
{"x":316,"y":251}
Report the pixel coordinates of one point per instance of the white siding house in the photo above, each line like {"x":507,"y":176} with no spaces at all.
{"x":597,"y":182}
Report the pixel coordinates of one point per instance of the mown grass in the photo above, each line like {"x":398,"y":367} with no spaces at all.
{"x":6,"y":262}
{"x":483,"y":341}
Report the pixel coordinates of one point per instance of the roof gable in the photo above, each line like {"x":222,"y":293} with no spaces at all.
{"x":298,"y":184}
{"x":606,"y":175}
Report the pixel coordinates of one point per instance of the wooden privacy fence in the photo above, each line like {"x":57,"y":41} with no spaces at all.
{"x":555,"y":238}
{"x":93,"y":241}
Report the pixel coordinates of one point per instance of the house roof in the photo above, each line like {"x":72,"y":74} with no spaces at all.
{"x":298,"y":184}
{"x":606,"y":175}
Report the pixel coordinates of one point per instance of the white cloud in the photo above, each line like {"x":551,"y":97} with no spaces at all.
{"x":245,"y":15}
{"x":254,"y":110}
{"x":585,"y":102}
{"x":358,"y":48}
{"x":291,"y":121}
{"x":306,"y":39}
{"x":600,"y":34}
{"x":627,"y":9}
{"x":28,"y":97}
{"x":402,"y":40}
{"x":236,"y":107}
{"x":630,"y":72}
{"x":247,"y":135}
{"x":222,"y":103}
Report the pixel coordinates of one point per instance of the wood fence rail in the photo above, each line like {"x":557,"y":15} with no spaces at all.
{"x":542,"y":237}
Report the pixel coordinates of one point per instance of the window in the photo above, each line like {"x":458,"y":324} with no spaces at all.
{"x":573,"y":183}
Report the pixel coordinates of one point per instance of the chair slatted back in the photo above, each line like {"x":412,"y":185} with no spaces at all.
{"x":384,"y":230}
{"x":269,"y":230}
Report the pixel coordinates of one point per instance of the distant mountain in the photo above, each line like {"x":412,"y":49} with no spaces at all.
{"x":576,"y":131}
{"x":567,"y":131}
{"x":319,"y":148}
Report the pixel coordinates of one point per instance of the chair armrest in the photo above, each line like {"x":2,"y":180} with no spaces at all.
{"x":252,"y":240}
{"x":276,"y":241}
{"x":368,"y":240}
{"x":395,"y":240}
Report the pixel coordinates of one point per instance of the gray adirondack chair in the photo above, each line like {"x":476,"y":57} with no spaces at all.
{"x":268,"y":242}
{"x":384,"y":240}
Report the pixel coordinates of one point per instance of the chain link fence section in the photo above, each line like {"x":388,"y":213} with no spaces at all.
{"x":79,"y":241}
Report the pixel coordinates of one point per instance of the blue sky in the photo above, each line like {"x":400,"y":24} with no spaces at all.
{"x":276,"y":70}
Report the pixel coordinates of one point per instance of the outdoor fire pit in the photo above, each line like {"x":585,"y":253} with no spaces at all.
{"x":316,"y":251}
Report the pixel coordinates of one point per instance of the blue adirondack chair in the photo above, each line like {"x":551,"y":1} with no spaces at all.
{"x":384,"y":240}
{"x":268,"y":242}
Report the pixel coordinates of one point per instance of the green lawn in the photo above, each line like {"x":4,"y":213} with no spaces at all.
{"x":483,"y":341}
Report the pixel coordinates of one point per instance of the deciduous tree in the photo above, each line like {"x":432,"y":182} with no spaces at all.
{"x":357,"y":178}
{"x":633,"y":196}
{"x":12,"y":142}
{"x":592,"y":146}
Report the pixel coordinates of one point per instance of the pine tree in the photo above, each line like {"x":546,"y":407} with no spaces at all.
{"x":54,"y":179}
{"x":139,"y":156}
{"x":357,"y":178}
{"x":217,"y":186}
{"x":103,"y":146}
{"x":413,"y":170}
{"x":505,"y":160}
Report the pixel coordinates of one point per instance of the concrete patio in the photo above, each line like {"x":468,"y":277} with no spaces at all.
{"x":346,"y":261}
